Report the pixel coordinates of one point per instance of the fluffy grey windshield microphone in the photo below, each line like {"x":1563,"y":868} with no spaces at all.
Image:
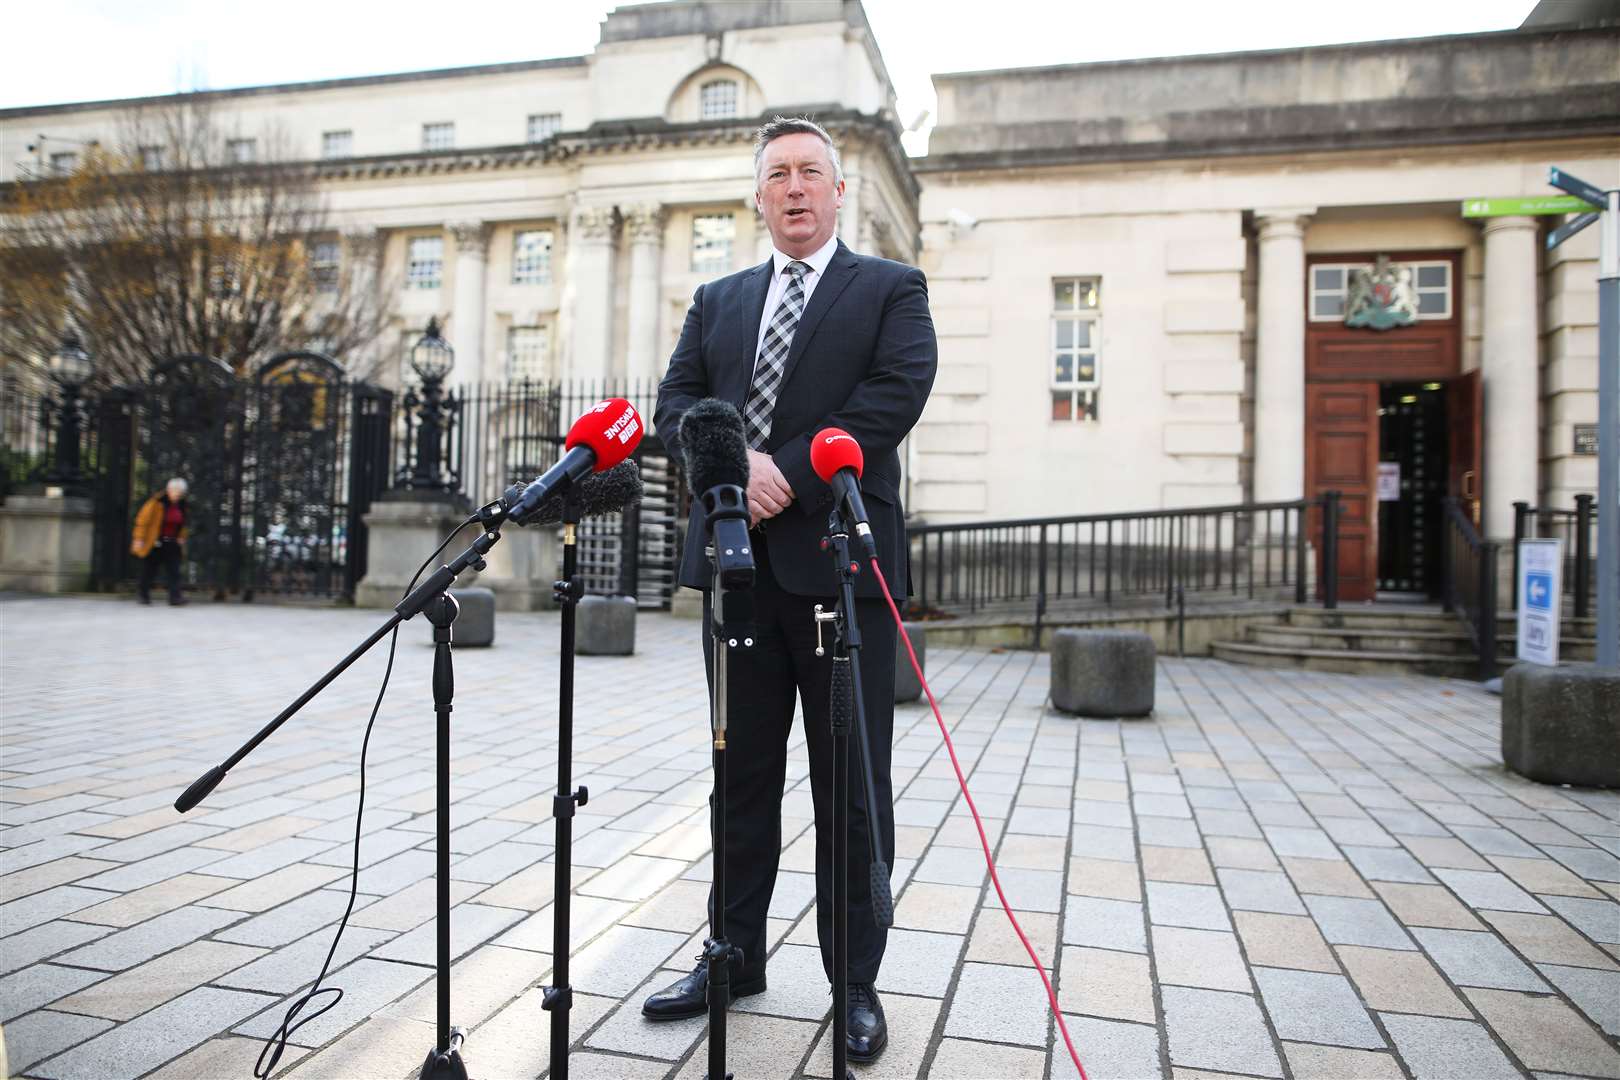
{"x":600,"y":493}
{"x":714,"y":445}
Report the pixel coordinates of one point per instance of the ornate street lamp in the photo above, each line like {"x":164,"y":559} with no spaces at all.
{"x":431,"y":359}
{"x":71,"y":367}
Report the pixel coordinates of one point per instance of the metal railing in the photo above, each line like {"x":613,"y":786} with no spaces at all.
{"x":30,"y":430}
{"x":499,"y":433}
{"x":1248,"y":551}
{"x":1577,"y":528}
{"x":1468,"y":582}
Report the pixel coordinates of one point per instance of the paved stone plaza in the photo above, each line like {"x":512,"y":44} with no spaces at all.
{"x":1279,"y":875}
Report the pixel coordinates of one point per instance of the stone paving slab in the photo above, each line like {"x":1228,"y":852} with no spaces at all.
{"x":1279,"y":874}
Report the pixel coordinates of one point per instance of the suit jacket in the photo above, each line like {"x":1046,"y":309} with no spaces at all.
{"x":863,"y":359}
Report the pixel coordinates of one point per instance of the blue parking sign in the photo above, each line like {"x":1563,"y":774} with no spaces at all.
{"x":1540,"y":568}
{"x":1538,"y":591}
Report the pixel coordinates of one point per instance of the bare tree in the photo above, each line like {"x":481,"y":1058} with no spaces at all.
{"x":180,"y":236}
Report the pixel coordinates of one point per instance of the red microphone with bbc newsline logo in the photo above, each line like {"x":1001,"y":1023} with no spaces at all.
{"x":837,"y":459}
{"x":605,"y":435}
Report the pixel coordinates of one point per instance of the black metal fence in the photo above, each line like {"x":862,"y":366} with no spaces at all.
{"x":1577,"y":529}
{"x":1468,"y":582}
{"x":1040,"y":566}
{"x":500,"y":433}
{"x":284,"y":464}
{"x":30,"y":438}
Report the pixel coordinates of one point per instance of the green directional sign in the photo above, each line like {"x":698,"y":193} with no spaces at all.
{"x":1529,"y":204}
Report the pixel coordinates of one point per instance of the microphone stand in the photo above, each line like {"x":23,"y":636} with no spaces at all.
{"x":733,"y":575}
{"x":848,"y":710}
{"x":444,"y":1061}
{"x":558,"y":998}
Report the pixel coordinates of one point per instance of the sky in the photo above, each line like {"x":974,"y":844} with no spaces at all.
{"x":90,"y":50}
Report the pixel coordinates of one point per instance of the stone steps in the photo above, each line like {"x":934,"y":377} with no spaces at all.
{"x":1347,"y":661}
{"x":1384,"y":639}
{"x":1435,"y":642}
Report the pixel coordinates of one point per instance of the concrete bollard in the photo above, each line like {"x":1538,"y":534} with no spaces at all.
{"x":1561,"y":725}
{"x":1102,"y":672}
{"x":906,"y":686}
{"x":606,"y":626}
{"x":475,"y":622}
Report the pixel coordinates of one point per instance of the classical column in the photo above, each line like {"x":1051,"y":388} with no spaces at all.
{"x":467,"y":318}
{"x":645,"y":224}
{"x":591,"y":237}
{"x":1279,"y":379}
{"x":1510,"y":370}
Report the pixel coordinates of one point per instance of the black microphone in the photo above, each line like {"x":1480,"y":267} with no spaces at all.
{"x":604,"y":436}
{"x":599,"y":494}
{"x":716,"y":452}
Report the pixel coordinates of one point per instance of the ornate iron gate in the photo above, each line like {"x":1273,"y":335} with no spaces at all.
{"x":190,"y":425}
{"x":370,"y":462}
{"x":295,"y":476}
{"x":281,"y":469}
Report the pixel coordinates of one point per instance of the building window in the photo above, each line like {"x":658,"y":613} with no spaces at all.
{"x":543,"y":126}
{"x":424,"y":262}
{"x":712,"y":235}
{"x":337,"y":144}
{"x":241,"y":151}
{"x":1330,"y":288}
{"x":531,"y":257}
{"x":439,"y":136}
{"x":323,"y":265}
{"x":528,"y":354}
{"x":717,"y":100}
{"x":151,"y":158}
{"x":64,"y":162}
{"x":1076,"y":341}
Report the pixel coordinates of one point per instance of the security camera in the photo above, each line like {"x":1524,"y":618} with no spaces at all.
{"x":960,"y":219}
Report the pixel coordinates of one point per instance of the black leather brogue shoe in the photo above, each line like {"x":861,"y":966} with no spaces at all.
{"x":689,"y":996}
{"x":868,"y":1029}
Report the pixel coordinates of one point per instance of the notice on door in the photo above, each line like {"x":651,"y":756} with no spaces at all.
{"x":1389,"y":481}
{"x":1541,"y":567}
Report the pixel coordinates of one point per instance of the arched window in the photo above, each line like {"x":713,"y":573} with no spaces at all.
{"x":717,"y":100}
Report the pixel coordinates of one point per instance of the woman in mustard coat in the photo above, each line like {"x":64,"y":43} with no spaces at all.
{"x":159,"y":538}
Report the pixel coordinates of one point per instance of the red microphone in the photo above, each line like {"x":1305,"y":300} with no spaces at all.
{"x":837,"y":459}
{"x":604,"y":436}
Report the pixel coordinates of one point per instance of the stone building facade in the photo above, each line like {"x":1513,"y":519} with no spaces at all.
{"x":1141,"y":271}
{"x":557,"y":215}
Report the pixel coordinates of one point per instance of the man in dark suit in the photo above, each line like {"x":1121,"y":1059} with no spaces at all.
{"x":818,"y":336}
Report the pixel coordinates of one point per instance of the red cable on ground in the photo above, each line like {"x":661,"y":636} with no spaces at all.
{"x":1051,"y":995}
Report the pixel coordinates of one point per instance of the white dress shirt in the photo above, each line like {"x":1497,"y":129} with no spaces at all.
{"x":817,"y":261}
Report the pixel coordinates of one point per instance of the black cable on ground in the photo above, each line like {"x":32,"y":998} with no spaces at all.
{"x":276,"y":1045}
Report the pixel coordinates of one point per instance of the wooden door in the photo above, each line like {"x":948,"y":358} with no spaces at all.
{"x":1465,"y":413}
{"x":1341,"y":454}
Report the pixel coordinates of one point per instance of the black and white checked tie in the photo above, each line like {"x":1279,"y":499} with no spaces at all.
{"x":772,"y":361}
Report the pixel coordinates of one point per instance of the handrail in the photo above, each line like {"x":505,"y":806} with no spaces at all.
{"x":1031,"y":565}
{"x":1086,"y":519}
{"x":1468,"y":583}
{"x":1576,"y":528}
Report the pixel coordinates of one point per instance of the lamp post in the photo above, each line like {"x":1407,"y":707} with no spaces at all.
{"x":431,"y":359}
{"x":71,"y":367}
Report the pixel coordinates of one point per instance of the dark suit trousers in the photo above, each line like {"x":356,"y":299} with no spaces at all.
{"x":763,"y":683}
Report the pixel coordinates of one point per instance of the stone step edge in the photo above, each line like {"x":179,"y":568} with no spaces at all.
{"x":1340,"y":654}
{"x":1427,"y":635}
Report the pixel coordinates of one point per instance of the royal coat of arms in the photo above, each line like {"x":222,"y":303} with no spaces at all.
{"x":1381,"y":297}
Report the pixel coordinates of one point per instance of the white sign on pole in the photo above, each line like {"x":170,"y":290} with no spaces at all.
{"x":1389,"y":481}
{"x":1541,"y":566}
